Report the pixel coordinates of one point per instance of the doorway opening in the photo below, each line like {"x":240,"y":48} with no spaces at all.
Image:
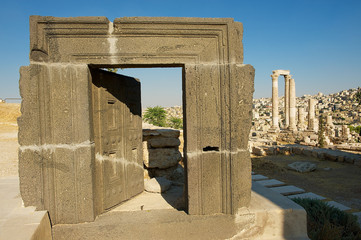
{"x":131,"y":150}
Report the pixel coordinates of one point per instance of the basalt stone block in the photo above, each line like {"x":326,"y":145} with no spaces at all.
{"x":58,"y":167}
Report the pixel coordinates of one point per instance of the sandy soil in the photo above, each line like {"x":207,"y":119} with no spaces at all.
{"x":9,"y":139}
{"x":340,"y":182}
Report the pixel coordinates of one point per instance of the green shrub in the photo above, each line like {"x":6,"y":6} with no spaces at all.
{"x":325,"y":222}
{"x":156,"y":116}
{"x":175,"y":122}
{"x":356,"y":129}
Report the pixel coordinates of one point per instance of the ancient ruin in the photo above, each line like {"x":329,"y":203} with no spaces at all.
{"x":80,"y":131}
{"x":290,"y":100}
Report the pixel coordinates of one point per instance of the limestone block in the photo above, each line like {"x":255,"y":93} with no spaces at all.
{"x":307,"y":152}
{"x":297,"y":150}
{"x":166,"y":133}
{"x":302,"y":167}
{"x":329,"y":155}
{"x":258,"y":151}
{"x":157,"y":185}
{"x":162,"y":158}
{"x":164,"y":142}
{"x":270,"y":151}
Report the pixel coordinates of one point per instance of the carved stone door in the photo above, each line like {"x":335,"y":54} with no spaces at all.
{"x":118,"y":136}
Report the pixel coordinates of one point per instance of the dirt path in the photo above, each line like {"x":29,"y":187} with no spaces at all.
{"x":340,"y":182}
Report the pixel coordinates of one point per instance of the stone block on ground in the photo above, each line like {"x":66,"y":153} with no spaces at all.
{"x":258,"y":151}
{"x":297,"y":150}
{"x":157,"y":185}
{"x":307,"y":152}
{"x":271,"y":183}
{"x":288,"y":190}
{"x":270,"y":150}
{"x":258,"y":177}
{"x":302,"y":167}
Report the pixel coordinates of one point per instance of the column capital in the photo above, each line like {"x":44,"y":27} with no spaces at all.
{"x":287,"y":77}
{"x":275,"y":76}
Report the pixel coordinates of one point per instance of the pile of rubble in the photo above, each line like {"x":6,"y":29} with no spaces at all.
{"x":161,"y":156}
{"x":320,"y":153}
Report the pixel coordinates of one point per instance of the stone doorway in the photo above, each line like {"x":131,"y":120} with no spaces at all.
{"x":117,"y":126}
{"x":57,"y":154}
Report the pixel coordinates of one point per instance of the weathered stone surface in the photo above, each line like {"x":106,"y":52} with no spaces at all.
{"x":288,"y":190}
{"x":162,"y":158}
{"x":302,"y":167}
{"x":258,"y":151}
{"x":56,"y":131}
{"x":164,"y":142}
{"x":166,"y":133}
{"x":157,"y":185}
{"x":258,"y":177}
{"x":271,"y":183}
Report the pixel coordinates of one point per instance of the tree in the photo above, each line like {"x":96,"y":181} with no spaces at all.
{"x":176,"y":122}
{"x":156,"y":116}
{"x":113,"y":70}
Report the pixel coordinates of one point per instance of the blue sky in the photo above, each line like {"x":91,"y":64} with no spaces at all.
{"x":319,"y":41}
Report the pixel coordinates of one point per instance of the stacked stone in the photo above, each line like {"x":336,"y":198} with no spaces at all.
{"x":161,"y":154}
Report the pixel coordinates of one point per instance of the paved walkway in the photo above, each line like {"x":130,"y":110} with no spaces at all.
{"x":291,"y":191}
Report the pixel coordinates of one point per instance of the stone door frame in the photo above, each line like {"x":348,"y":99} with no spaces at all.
{"x":56,"y":155}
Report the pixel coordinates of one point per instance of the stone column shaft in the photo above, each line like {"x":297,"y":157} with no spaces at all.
{"x":311,"y":114}
{"x":292,"y":99}
{"x":275,"y":101}
{"x":287,"y":100}
{"x":301,"y":117}
{"x":329,"y":120}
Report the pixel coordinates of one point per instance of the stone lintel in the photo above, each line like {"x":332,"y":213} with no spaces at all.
{"x":281,"y":72}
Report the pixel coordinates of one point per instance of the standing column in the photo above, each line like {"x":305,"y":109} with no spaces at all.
{"x":274,"y":101}
{"x":311,"y":114}
{"x":301,"y":117}
{"x":292,"y":99}
{"x":329,"y":120}
{"x":287,"y":100}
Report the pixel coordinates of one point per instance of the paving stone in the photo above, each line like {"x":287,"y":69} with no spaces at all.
{"x":288,"y":190}
{"x":258,"y":177}
{"x":271,"y":183}
{"x":358,"y":215}
{"x":307,"y":195}
{"x":338,"y":205}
